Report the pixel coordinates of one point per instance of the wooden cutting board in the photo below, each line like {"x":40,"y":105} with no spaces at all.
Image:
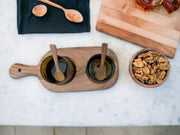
{"x":127,"y":20}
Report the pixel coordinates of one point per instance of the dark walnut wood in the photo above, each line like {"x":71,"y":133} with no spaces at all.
{"x":81,"y":82}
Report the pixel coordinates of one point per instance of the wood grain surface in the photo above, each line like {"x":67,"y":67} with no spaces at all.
{"x":81,"y":82}
{"x":152,"y":29}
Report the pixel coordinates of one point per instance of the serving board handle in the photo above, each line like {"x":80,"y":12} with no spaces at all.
{"x":17,"y":71}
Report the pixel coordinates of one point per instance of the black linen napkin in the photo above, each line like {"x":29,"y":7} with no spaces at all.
{"x":54,"y":21}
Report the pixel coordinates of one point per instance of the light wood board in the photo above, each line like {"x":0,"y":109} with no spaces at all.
{"x":127,"y":20}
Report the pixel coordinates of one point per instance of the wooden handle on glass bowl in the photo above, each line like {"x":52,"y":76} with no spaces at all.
{"x":103,"y":54}
{"x":17,"y":71}
{"x":55,"y":56}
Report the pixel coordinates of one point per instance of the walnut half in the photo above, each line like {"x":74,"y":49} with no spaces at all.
{"x":150,"y":67}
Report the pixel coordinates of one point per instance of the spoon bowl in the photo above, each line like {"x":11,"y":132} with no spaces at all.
{"x":100,"y":74}
{"x":59,"y":76}
{"x":73,"y":15}
{"x":39,"y":10}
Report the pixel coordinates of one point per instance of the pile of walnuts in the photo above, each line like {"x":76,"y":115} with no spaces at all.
{"x":150,"y":67}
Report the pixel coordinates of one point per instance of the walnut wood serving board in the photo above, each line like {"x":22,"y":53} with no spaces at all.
{"x":80,"y":56}
{"x":127,"y":20}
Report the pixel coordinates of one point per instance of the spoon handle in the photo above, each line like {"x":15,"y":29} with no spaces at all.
{"x":103,"y":54}
{"x":55,"y":56}
{"x":52,"y":4}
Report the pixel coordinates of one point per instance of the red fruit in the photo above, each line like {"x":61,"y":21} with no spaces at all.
{"x":149,"y":4}
{"x":171,"y":5}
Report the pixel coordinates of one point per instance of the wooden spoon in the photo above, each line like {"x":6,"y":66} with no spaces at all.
{"x":39,"y":10}
{"x":101,"y":73}
{"x":71,"y":14}
{"x":59,"y":76}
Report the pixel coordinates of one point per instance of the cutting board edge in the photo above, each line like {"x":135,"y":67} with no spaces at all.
{"x":171,"y":53}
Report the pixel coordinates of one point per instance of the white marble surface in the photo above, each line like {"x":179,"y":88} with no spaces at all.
{"x":27,"y":102}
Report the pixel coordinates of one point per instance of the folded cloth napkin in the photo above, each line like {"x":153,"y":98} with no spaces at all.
{"x":54,"y":21}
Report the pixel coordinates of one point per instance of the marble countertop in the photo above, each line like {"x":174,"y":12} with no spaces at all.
{"x":26,"y":102}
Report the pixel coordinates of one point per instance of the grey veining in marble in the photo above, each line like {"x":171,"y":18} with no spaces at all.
{"x":27,"y":102}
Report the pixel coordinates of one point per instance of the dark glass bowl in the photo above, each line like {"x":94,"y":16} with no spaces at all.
{"x":93,"y":65}
{"x":48,"y":69}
